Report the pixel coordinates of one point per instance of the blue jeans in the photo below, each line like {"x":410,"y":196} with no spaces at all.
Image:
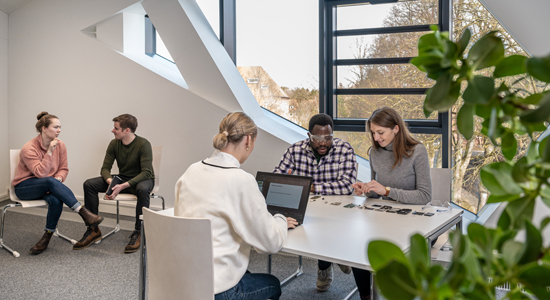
{"x":53,"y":191}
{"x":253,"y":287}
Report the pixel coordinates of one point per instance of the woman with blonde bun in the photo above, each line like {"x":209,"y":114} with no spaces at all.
{"x":216,"y":188}
{"x":40,"y":174}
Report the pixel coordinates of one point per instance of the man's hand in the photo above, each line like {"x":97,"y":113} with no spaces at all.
{"x":59,"y":178}
{"x":291,"y":222}
{"x":116,"y":190}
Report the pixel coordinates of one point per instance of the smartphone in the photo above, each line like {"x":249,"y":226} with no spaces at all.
{"x":429,"y":214}
{"x":418,"y":213}
{"x":393,"y":210}
{"x":386,"y":207}
{"x":404,"y":211}
{"x":376,"y":205}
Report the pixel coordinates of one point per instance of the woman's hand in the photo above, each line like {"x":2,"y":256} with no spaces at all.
{"x":374,"y":186}
{"x":53,"y":145}
{"x":358,"y":187}
{"x":291,"y":222}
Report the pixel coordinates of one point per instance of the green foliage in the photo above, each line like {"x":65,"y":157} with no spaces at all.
{"x":506,"y":112}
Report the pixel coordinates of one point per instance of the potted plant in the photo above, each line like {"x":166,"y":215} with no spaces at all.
{"x":484,"y":258}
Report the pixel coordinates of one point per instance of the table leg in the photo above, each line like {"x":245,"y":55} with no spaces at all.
{"x":298,"y":272}
{"x":142,"y":264}
{"x":351,"y":294}
{"x":373,"y":289}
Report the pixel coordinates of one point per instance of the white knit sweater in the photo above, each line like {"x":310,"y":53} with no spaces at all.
{"x":217,"y":189}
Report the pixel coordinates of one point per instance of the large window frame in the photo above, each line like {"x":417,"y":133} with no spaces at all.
{"x":329,"y":62}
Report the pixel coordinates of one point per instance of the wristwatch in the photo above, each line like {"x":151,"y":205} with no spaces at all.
{"x":387,"y":191}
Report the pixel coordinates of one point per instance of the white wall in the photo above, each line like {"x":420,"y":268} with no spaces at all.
{"x":55,"y":67}
{"x":4,"y":158}
{"x":527,"y":21}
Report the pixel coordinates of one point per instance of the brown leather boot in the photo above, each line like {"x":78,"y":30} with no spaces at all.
{"x":91,"y":235}
{"x":134,"y":243}
{"x":42,"y":244}
{"x":91,"y":219}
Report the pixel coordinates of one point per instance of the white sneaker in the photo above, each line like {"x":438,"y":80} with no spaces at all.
{"x":345,"y":269}
{"x":324,"y":279}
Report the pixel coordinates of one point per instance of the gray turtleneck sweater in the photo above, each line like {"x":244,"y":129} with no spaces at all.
{"x":410,"y":181}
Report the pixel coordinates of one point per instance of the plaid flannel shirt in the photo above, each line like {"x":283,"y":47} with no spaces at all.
{"x":332,"y":175}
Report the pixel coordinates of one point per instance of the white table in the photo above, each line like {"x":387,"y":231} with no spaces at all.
{"x":341,"y":235}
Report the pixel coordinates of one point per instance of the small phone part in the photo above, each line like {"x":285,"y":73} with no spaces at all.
{"x":429,"y":214}
{"x":386,"y":207}
{"x":376,"y":205}
{"x":336,"y":203}
{"x":315,"y":197}
{"x":418,"y":213}
{"x":404,"y":211}
{"x":379,"y":209}
{"x":393,"y":210}
{"x":369,"y":208}
{"x":351,"y":205}
{"x":360,"y":206}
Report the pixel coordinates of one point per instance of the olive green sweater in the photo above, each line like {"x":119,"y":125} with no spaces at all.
{"x":133,"y":160}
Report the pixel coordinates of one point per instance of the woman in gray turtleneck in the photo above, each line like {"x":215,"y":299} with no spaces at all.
{"x":400,"y":171}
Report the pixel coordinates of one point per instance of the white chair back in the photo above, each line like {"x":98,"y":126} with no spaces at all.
{"x":441,"y":184}
{"x":179,"y":257}
{"x":14,"y":162}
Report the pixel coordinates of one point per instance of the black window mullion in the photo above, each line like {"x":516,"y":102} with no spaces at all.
{"x":382,"y":30}
{"x":373,"y":61}
{"x":394,"y":91}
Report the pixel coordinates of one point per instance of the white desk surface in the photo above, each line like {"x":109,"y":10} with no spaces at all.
{"x":341,"y":235}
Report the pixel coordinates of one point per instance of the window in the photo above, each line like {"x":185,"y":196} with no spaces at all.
{"x":365,"y":66}
{"x":277,"y":46}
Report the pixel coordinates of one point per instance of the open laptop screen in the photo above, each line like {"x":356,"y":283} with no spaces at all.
{"x":286,"y":194}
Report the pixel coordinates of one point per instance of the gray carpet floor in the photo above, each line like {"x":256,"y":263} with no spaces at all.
{"x":103,"y":271}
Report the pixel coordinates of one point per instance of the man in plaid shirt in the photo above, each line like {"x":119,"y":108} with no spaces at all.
{"x":331,"y":163}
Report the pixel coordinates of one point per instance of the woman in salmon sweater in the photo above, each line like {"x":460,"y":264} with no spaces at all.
{"x":40,"y":174}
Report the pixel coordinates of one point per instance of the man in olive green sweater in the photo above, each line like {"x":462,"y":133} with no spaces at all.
{"x":134,"y":157}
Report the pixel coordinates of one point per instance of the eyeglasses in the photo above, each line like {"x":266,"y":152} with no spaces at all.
{"x":321,"y":138}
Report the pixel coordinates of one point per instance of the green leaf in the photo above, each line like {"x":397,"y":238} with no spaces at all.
{"x":539,"y":67}
{"x":532,"y":245}
{"x":544,"y":223}
{"x":520,"y":172}
{"x":545,"y":196}
{"x":478,"y":234}
{"x":504,"y":198}
{"x":438,"y":93}
{"x":545,"y":153}
{"x":427,"y":42}
{"x":505,"y":236}
{"x":419,"y":254}
{"x":486,"y":52}
{"x":521,"y":209}
{"x":510,"y":66}
{"x":511,"y":252}
{"x":464,"y":40}
{"x":492,"y":128}
{"x":395,"y":282}
{"x":421,"y":61}
{"x":480,"y":90}
{"x":382,"y":253}
{"x":505,"y":220}
{"x":509,"y":145}
{"x":540,"y":114}
{"x":536,"y":278}
{"x":465,"y":120}
{"x":497,"y":178}
{"x":533,"y":99}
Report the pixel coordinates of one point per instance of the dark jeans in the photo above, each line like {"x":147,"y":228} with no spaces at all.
{"x":253,"y":287}
{"x":363,"y":281}
{"x":323,"y":265}
{"x":51,"y":190}
{"x":96,"y":185}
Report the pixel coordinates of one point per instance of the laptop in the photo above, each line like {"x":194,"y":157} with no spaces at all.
{"x":285,"y":194}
